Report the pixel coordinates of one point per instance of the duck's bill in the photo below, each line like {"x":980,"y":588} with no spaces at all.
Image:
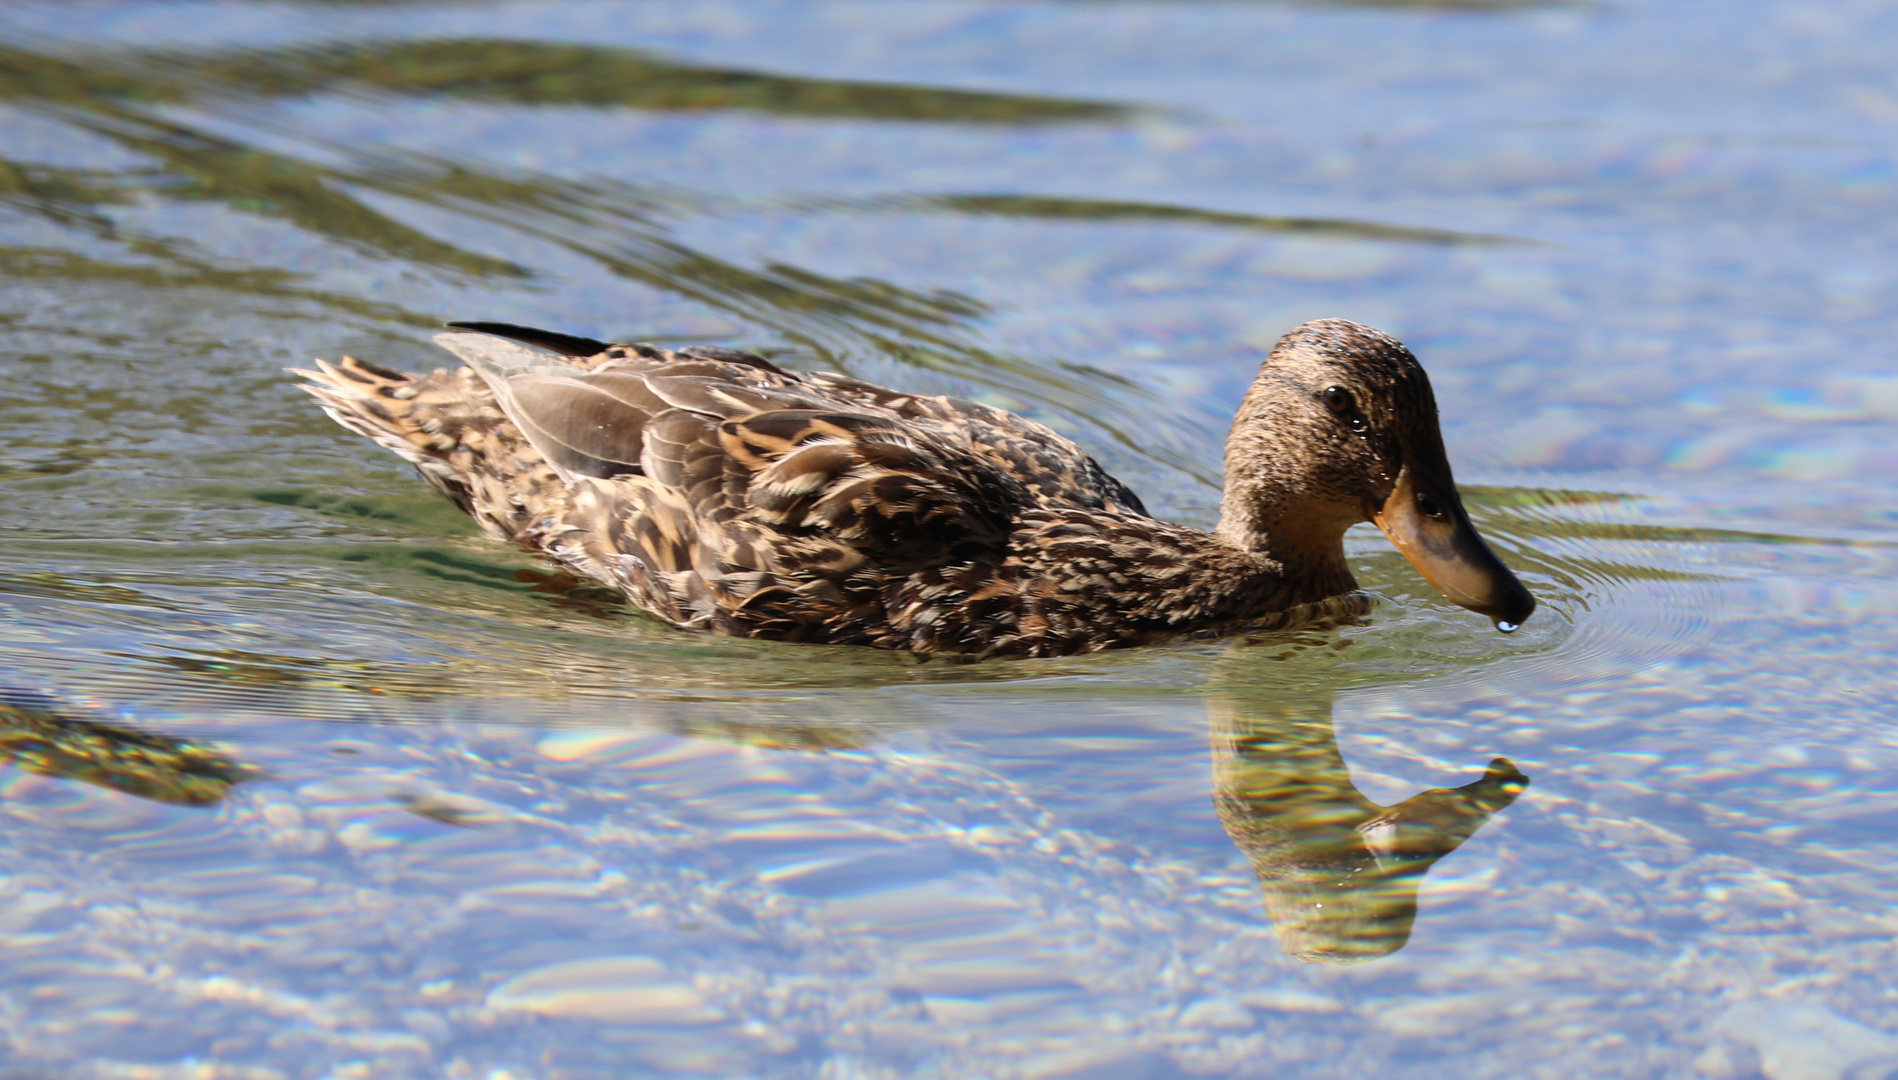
{"x":1427,"y":523}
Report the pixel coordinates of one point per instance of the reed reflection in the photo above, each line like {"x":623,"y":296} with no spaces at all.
{"x":37,"y":736}
{"x":1339,"y":873}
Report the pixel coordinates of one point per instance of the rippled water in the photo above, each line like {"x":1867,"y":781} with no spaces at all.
{"x":310,"y":780}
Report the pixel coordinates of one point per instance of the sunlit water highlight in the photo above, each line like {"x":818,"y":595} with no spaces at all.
{"x":309,"y":780}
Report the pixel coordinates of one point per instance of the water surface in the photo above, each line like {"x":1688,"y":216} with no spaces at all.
{"x":311,"y":780}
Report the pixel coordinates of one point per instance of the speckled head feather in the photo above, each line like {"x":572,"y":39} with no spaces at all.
{"x":1388,"y":385}
{"x":722,"y":493}
{"x":1341,"y":427}
{"x":1319,"y":439}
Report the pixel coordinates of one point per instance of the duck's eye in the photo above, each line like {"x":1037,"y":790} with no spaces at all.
{"x":1428,"y":506}
{"x":1341,"y":404}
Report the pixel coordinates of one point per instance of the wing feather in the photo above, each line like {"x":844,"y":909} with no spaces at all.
{"x":577,"y":426}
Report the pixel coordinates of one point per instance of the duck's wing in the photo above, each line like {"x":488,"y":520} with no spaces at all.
{"x":588,"y":416}
{"x":594,"y":351}
{"x":1050,"y":467}
{"x":822,"y":525}
{"x":737,"y":443}
{"x":901,"y":492}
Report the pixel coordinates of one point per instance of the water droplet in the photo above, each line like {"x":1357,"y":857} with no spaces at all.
{"x":1508,"y":627}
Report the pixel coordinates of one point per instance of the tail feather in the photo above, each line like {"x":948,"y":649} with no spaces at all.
{"x":379,"y":403}
{"x":449,"y":426}
{"x":452,"y":426}
{"x":564,"y":344}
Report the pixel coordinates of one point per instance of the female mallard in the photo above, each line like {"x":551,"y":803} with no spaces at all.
{"x":720,"y":492}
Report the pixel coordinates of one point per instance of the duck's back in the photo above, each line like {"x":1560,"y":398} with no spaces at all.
{"x":721,"y":492}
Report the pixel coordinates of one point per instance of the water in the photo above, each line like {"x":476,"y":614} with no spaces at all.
{"x":310,"y":780}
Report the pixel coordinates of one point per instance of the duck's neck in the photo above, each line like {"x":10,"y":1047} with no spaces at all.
{"x":1308,"y":548}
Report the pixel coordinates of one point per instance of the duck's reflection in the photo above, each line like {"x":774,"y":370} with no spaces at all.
{"x":1339,"y":872}
{"x":37,"y":736}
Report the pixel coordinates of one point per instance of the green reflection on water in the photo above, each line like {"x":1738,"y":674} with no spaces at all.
{"x":517,"y":72}
{"x":1054,"y":209}
{"x":37,"y":736}
{"x":175,"y":270}
{"x":545,"y":73}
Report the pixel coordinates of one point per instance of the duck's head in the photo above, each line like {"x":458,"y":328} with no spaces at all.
{"x":1341,"y":427}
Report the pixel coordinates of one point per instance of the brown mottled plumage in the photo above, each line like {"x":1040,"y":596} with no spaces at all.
{"x":722,"y":493}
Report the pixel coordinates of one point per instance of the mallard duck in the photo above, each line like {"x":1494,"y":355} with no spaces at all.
{"x":723,"y":493}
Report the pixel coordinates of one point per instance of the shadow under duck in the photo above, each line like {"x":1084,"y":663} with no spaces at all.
{"x":720,"y":492}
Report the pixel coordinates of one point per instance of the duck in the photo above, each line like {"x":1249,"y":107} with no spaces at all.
{"x":722,"y":493}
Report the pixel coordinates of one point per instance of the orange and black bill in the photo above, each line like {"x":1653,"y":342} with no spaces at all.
{"x":1424,"y":517}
